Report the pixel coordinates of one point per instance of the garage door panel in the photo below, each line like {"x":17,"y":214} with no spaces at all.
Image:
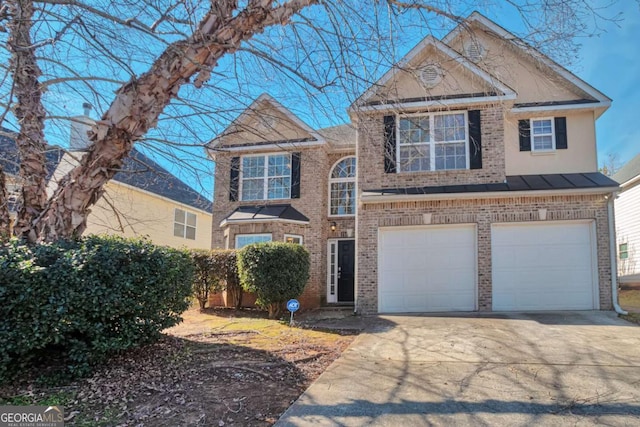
{"x":427,"y":269}
{"x":543,"y":266}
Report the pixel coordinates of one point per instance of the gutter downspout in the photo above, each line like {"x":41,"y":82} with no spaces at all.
{"x":613,"y":255}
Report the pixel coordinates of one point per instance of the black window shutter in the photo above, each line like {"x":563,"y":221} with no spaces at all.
{"x":560,"y":124}
{"x":234,"y":179}
{"x":295,"y":175}
{"x":524,"y":129}
{"x":390,"y":144}
{"x":475,"y":140}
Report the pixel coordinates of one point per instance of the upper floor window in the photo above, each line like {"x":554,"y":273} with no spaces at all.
{"x":243,"y":240}
{"x":430,"y":142}
{"x":342,"y":188}
{"x":184,"y":224}
{"x":266,"y":177}
{"x":542,"y":135}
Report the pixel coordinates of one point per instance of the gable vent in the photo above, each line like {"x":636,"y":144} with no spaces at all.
{"x":474,"y":50}
{"x":431,"y":75}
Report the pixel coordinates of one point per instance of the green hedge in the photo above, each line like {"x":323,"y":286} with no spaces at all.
{"x":215,"y":271}
{"x":84,"y":300}
{"x":274,"y":271}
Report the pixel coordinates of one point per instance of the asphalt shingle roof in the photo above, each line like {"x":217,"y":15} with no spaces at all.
{"x":628,"y":171}
{"x":138,"y":170}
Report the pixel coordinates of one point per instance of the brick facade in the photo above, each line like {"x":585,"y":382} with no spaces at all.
{"x":316,"y":163}
{"x":483,"y":213}
{"x":371,"y":174}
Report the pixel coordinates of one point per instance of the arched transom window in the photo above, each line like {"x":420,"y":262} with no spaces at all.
{"x":342,"y":187}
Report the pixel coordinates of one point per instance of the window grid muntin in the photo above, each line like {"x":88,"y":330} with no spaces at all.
{"x":623,"y":250}
{"x":419,"y":154}
{"x":184,"y":224}
{"x":543,"y":134}
{"x":342,"y":187}
{"x":267,"y":177}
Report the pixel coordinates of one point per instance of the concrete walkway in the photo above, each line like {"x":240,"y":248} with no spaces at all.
{"x":580,"y":368}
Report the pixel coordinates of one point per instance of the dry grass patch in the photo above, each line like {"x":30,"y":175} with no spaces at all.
{"x":219,"y":367}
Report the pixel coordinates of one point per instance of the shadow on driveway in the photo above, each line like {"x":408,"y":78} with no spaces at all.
{"x":494,"y":369}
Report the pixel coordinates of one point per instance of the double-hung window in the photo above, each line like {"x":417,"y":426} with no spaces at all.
{"x":431,"y":142}
{"x":266,"y":177}
{"x":184,"y":224}
{"x":542,"y":135}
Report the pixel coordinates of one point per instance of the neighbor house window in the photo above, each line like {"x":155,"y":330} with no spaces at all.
{"x":430,"y":142}
{"x":542,"y":135}
{"x":184,"y":224}
{"x":293,"y":238}
{"x":342,"y":188}
{"x":623,"y":250}
{"x":266,"y":177}
{"x":243,"y":240}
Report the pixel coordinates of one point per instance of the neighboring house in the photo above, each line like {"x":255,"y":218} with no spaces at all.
{"x":473,"y":184}
{"x":143,"y":199}
{"x":628,"y":222}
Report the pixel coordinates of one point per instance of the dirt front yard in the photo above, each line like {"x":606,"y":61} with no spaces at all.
{"x":217,"y":368}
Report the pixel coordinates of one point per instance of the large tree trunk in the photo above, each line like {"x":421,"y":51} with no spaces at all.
{"x":30,"y":115}
{"x":139,"y":103}
{"x":5,"y":220}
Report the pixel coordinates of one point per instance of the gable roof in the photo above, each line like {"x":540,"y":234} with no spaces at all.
{"x":629,"y":171}
{"x":505,"y":91}
{"x":316,"y":138}
{"x":138,"y":171}
{"x":477,"y":17}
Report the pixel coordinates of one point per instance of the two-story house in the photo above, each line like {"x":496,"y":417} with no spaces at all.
{"x":142,"y":199}
{"x":474,"y":184}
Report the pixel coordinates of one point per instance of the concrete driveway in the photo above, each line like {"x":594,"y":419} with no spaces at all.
{"x":579,"y":368}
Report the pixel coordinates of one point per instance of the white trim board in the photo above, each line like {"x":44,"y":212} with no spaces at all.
{"x":413,"y":53}
{"x":519,"y":43}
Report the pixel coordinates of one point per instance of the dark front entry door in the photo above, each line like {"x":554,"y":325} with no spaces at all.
{"x":346,"y":261}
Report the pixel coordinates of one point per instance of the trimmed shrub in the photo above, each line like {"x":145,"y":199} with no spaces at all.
{"x":86,"y":299}
{"x":274,"y":271}
{"x":215,"y":271}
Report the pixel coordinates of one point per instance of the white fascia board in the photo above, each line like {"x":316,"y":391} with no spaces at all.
{"x":268,"y":147}
{"x":373,"y":199}
{"x":497,"y":29}
{"x":260,"y":221}
{"x":585,"y":106}
{"x":630,"y":182}
{"x":427,"y":104}
{"x":432,"y":41}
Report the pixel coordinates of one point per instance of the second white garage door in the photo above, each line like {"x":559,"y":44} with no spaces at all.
{"x":543,"y":266}
{"x":428,"y":268}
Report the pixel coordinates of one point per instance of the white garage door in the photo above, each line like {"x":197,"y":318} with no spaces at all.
{"x":543,"y":266}
{"x":430,"y":268}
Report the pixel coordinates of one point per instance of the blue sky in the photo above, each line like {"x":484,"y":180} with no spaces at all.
{"x":611,"y":63}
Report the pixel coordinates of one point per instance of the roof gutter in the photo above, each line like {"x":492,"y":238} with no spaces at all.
{"x":630,"y":182}
{"x":259,"y":221}
{"x":613,"y":255}
{"x":371,"y":199}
